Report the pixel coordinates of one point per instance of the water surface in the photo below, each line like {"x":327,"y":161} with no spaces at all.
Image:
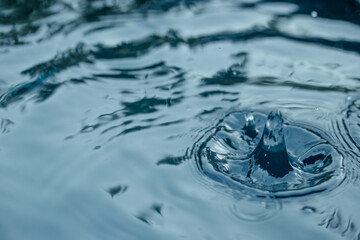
{"x":179,"y":119}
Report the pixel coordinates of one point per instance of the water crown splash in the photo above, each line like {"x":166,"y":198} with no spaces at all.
{"x":263,"y":153}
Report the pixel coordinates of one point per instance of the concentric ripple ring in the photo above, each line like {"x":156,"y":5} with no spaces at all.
{"x":269,"y":156}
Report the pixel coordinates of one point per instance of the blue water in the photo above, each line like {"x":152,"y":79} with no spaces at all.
{"x":179,"y":119}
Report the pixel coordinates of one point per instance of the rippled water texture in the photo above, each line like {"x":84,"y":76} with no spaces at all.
{"x":179,"y":119}
{"x":281,"y":162}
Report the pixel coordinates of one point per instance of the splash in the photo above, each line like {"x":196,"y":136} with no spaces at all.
{"x":268,"y":155}
{"x":271,"y":154}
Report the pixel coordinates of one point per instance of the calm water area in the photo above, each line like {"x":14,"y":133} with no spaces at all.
{"x":179,"y":119}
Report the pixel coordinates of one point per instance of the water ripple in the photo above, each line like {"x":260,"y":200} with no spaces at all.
{"x":250,"y":210}
{"x":213,"y":111}
{"x":281,"y":159}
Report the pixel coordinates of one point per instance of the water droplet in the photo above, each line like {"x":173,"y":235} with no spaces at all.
{"x":314,"y":14}
{"x":273,"y":137}
{"x":271,"y":154}
{"x":250,"y":128}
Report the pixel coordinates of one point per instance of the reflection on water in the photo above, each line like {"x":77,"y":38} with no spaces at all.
{"x":139,"y":119}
